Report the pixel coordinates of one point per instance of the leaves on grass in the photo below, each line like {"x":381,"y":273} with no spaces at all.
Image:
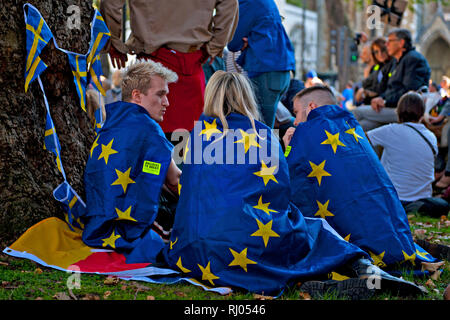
{"x":90,"y":296}
{"x":150,"y":298}
{"x":430,"y":284}
{"x":111,"y":280}
{"x":61,"y":296}
{"x":304,"y":296}
{"x":262,"y":297}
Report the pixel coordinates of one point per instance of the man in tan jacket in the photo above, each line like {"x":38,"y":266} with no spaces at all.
{"x":179,"y":34}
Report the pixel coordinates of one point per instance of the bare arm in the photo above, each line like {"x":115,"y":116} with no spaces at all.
{"x":173,"y":177}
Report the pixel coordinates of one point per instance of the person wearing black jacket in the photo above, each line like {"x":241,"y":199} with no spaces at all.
{"x":410,"y":72}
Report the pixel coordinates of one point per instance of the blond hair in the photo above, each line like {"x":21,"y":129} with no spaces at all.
{"x":228,"y":92}
{"x":138,"y":76}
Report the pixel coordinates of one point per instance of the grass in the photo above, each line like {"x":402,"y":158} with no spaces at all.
{"x":22,"y":279}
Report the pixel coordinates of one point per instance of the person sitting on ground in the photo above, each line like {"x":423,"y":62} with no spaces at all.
{"x":235,"y":225}
{"x":336,"y":175}
{"x":130,"y":178}
{"x":409,"y":150}
{"x":410,"y":72}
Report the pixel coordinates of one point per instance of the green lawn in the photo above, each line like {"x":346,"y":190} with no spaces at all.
{"x":22,"y":279}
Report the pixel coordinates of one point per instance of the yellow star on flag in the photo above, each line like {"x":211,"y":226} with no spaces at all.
{"x":318,"y":171}
{"x":347,"y":238}
{"x":248,"y":139}
{"x":111,"y":241}
{"x":352,"y":131}
{"x":265,"y":231}
{"x":240,"y":259}
{"x":173,"y":243}
{"x":333,"y":140}
{"x":186,"y":150}
{"x":94,"y":145}
{"x":125,"y":215}
{"x":411,"y":258}
{"x":123,"y":179}
{"x":107,"y":151}
{"x":378,"y":259}
{"x":207,"y":274}
{"x":422,"y":254}
{"x":264,"y":206}
{"x":323,"y":210}
{"x":266,"y":173}
{"x":180,"y":265}
{"x":210,"y":129}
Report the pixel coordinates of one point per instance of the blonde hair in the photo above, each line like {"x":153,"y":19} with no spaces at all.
{"x":138,"y":76}
{"x":228,"y":92}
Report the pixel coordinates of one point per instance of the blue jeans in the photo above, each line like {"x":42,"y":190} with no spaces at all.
{"x":269,"y":88}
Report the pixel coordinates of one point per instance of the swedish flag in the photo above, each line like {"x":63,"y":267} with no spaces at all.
{"x":51,"y":142}
{"x":38,"y":35}
{"x":234,"y":224}
{"x":72,"y":204}
{"x":79,"y":70}
{"x":99,"y":37}
{"x":124,"y":174}
{"x":336,"y":175}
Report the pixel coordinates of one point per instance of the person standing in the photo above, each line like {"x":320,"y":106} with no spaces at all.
{"x":181,"y":35}
{"x":267,"y":53}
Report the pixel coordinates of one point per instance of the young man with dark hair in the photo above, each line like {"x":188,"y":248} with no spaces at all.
{"x":336,"y":175}
{"x":410,"y":71}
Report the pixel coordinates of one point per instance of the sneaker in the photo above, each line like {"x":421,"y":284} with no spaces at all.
{"x":353,"y":289}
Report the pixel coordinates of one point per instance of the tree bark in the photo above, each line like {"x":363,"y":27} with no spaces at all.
{"x":28,"y":174}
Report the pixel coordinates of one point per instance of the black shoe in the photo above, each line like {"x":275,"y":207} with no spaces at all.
{"x":380,"y":280}
{"x":353,"y":289}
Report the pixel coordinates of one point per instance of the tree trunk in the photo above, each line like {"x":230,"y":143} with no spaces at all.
{"x":28,"y":174}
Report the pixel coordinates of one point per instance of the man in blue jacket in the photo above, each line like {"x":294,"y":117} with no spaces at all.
{"x":267,"y":53}
{"x":410,"y":71}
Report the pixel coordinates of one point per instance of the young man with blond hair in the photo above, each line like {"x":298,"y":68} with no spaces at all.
{"x":130,"y":163}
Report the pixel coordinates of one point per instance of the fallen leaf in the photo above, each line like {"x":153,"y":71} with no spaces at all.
{"x":150,"y":298}
{"x":140,"y":287}
{"x":61,"y":296}
{"x":123,"y":288}
{"x":444,"y":218}
{"x":180,"y":294}
{"x":106,"y":294}
{"x":420,"y":233}
{"x":436,"y":275}
{"x":305,"y":296}
{"x":111,"y":280}
{"x":432,"y":267}
{"x":91,"y":296}
{"x":262,"y":297}
{"x":4,"y":264}
{"x":39,"y":298}
{"x":38,"y":271}
{"x":5,"y":283}
{"x":430,"y":284}
{"x":447,"y":293}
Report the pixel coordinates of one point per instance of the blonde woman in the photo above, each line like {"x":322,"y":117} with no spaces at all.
{"x":234,"y":225}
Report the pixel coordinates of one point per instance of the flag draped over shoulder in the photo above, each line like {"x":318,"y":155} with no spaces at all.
{"x":124,"y":175}
{"x":336,"y":175}
{"x":234,"y":224}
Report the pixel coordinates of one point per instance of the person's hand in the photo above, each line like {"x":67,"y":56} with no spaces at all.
{"x":245,"y":45}
{"x":359,"y":96}
{"x":118,"y":59}
{"x":377,"y":104}
{"x":288,"y":136}
{"x":436,"y":119}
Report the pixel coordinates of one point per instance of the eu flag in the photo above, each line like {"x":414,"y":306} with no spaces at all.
{"x":38,"y":35}
{"x":235,"y":225}
{"x":124,"y":174}
{"x":336,"y":175}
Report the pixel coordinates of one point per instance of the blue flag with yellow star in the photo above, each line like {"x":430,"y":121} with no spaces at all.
{"x":38,"y":35}
{"x":336,"y":175}
{"x":124,"y":175}
{"x":235,"y":225}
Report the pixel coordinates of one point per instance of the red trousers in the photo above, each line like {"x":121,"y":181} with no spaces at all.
{"x":186,"y":96}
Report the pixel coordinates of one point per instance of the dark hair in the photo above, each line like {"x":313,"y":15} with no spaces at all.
{"x":318,"y":87}
{"x":380,"y":43}
{"x":410,"y":107}
{"x":404,"y":34}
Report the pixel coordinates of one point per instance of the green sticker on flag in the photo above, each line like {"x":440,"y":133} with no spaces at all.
{"x":151,"y":167}
{"x":288,"y":150}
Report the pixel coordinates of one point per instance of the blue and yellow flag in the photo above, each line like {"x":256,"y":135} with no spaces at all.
{"x":124,"y":174}
{"x":235,"y":225}
{"x":51,"y":142}
{"x":336,"y":175}
{"x":79,"y":70}
{"x":38,"y":35}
